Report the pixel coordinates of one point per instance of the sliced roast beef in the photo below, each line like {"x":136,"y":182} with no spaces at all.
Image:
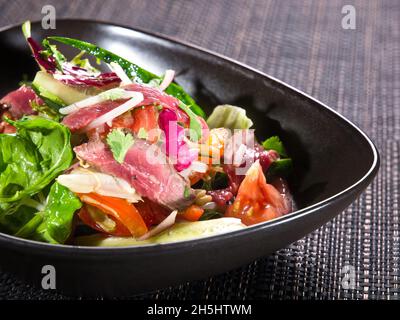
{"x":156,"y":180}
{"x":79,"y":119}
{"x":152,"y":96}
{"x":17,"y":102}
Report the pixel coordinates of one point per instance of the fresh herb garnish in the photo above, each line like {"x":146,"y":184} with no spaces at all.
{"x":274,"y":143}
{"x":119,"y":143}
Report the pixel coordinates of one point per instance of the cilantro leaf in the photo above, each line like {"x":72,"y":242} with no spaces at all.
{"x":119,"y":143}
{"x":274,"y":143}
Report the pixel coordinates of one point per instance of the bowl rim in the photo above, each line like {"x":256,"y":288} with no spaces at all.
{"x":179,"y":245}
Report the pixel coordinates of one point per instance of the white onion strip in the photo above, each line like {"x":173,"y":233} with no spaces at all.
{"x":116,"y":93}
{"x":87,"y":181}
{"x":109,"y":116}
{"x":165,"y":224}
{"x":120,"y":73}
{"x":195,"y":166}
{"x":168,"y":78}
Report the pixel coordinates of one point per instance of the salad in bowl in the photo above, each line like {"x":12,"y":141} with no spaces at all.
{"x":127,"y":157}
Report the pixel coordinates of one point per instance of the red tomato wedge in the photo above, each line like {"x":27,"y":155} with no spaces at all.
{"x":145,"y":118}
{"x":98,"y":220}
{"x":151,"y":212}
{"x":256,"y":200}
{"x":118,"y":210}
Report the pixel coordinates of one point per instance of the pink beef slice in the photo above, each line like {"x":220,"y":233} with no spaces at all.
{"x":152,"y":96}
{"x":79,"y":119}
{"x":17,"y":102}
{"x":157,"y":181}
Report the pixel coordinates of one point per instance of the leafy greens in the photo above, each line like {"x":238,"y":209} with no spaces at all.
{"x":132,"y":70}
{"x":33,"y":157}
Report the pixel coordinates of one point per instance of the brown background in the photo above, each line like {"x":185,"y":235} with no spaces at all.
{"x":356,"y":72}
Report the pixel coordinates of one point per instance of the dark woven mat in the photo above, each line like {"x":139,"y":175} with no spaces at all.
{"x":357,"y":72}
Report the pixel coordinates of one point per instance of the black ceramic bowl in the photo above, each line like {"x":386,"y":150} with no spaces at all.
{"x":334,"y":162}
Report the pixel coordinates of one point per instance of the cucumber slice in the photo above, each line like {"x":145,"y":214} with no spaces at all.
{"x":60,"y":93}
{"x":180,"y":231}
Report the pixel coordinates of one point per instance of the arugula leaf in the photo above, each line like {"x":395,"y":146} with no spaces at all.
{"x":274,"y":143}
{"x":33,"y":157}
{"x":132,"y":70}
{"x":119,"y":143}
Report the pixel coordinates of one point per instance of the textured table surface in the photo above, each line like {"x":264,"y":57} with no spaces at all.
{"x":356,"y":72}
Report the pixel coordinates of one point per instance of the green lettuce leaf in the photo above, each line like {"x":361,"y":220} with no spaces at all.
{"x":228,"y":116}
{"x":33,"y":157}
{"x":56,"y":219}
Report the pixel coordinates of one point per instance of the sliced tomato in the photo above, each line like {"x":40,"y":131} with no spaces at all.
{"x":119,"y":210}
{"x":98,"y":220}
{"x":151,"y":212}
{"x":144,"y":118}
{"x":256,"y":200}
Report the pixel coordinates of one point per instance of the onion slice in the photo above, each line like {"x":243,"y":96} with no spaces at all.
{"x":137,"y":98}
{"x":168,"y":78}
{"x":87,"y":181}
{"x":165,"y":224}
{"x":196,"y":166}
{"x":112,"y":94}
{"x":120,"y":73}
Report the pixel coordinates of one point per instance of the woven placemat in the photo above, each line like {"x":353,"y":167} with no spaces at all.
{"x":356,"y":72}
